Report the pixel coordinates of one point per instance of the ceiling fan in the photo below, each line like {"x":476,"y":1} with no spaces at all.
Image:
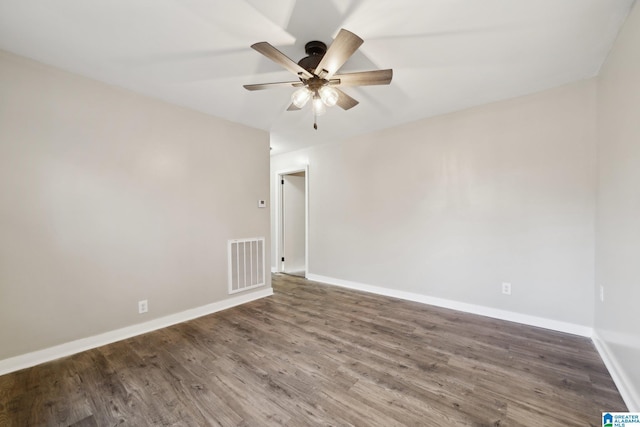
{"x":317,"y":76}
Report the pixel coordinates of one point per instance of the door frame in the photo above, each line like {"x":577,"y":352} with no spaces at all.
{"x":279,"y":216}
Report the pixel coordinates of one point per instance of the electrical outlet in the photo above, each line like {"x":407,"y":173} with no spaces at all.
{"x":506,"y":288}
{"x":602,"y":293}
{"x":143,"y":306}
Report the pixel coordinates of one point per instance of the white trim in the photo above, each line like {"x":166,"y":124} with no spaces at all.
{"x":628,"y":391}
{"x":495,"y":313}
{"x":67,"y":349}
{"x":306,"y":220}
{"x":278,"y":215}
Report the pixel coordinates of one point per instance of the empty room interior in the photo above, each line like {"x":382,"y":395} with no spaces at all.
{"x":348,"y":213}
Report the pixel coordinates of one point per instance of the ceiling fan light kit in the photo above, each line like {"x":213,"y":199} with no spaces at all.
{"x":328,"y":95}
{"x":317,"y":74}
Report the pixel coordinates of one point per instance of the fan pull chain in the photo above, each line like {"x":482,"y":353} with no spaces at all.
{"x":315,"y":121}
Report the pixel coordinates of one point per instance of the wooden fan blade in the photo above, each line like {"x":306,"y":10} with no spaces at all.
{"x":345,"y":101}
{"x":344,"y":45}
{"x":262,"y":86}
{"x":280,"y":58}
{"x":364,"y":78}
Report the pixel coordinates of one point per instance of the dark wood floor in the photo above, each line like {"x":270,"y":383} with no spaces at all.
{"x":319,"y":355}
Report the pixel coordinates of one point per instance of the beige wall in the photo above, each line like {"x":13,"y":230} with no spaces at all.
{"x":453,"y":206}
{"x":108,"y":197}
{"x":618,"y":208}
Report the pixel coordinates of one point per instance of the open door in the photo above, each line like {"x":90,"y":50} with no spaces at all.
{"x":294,"y":223}
{"x":291,"y":221}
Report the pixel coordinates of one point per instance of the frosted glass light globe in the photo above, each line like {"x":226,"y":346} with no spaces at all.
{"x":329,"y":96}
{"x":318,"y":106}
{"x":300,"y":97}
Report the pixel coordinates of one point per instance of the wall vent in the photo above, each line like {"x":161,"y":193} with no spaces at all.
{"x":246,"y":264}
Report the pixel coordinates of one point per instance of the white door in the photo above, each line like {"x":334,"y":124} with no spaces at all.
{"x":293,"y":223}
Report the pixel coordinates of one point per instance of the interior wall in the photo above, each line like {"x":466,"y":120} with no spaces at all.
{"x":107,"y":198}
{"x":618,"y":208}
{"x":453,"y":206}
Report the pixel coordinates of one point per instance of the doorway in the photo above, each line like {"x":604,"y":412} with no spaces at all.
{"x":291,"y":222}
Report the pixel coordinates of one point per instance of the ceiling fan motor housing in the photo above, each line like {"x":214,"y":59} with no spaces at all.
{"x":315,"y":51}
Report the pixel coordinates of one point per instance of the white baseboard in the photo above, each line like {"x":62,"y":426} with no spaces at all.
{"x":67,"y":349}
{"x":630,"y":394}
{"x":510,"y":316}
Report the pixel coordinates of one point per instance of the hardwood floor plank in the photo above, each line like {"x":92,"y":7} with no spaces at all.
{"x":314,"y":354}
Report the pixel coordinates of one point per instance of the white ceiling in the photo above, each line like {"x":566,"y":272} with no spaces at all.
{"x":446,"y":55}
